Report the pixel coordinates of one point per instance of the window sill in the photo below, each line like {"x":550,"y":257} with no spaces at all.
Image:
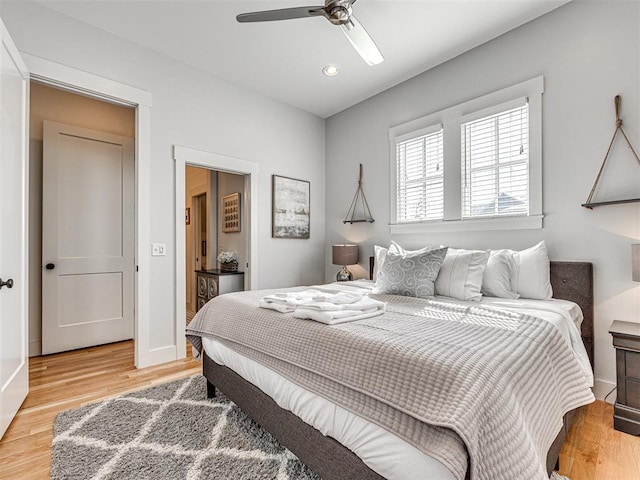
{"x":531,"y":222}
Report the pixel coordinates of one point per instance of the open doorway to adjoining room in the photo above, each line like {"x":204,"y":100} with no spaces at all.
{"x":215,"y":222}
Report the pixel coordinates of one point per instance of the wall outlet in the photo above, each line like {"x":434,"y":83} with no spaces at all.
{"x":158,"y":249}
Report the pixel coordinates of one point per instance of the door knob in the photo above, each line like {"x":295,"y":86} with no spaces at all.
{"x":50,"y":266}
{"x":8,"y":283}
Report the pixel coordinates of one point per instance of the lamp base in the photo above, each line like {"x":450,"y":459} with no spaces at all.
{"x":344,"y":275}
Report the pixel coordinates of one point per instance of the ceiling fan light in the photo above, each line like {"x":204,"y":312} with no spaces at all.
{"x":330,"y":71}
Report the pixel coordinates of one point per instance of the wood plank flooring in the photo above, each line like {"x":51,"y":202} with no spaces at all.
{"x":593,"y":450}
{"x":68,"y":380}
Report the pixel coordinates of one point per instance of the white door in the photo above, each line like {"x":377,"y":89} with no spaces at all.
{"x":87,"y":238}
{"x":14,"y":367}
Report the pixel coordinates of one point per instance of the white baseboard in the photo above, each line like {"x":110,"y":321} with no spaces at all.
{"x":601,"y":388}
{"x":157,"y":356}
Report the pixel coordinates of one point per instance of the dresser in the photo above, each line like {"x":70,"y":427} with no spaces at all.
{"x":626,"y":340}
{"x":211,"y":283}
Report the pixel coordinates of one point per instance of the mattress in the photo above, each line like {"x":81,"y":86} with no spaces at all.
{"x":382,"y":451}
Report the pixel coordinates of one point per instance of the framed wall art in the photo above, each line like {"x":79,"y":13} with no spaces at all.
{"x":231,"y":213}
{"x":290,"y":208}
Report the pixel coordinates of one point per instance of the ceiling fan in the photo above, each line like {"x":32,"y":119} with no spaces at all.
{"x":338,"y":12}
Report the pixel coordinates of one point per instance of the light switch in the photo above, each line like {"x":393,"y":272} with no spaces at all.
{"x":158,"y":249}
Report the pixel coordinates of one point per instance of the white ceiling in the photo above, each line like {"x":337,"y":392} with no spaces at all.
{"x":284,"y":59}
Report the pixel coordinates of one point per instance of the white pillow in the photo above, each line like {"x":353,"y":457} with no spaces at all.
{"x":409,"y":273}
{"x":378,"y":259}
{"x":500,"y":277}
{"x":460,"y":275}
{"x":533,"y":272}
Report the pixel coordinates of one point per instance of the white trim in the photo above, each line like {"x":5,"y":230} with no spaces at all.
{"x":156,"y":356}
{"x":451,"y":118}
{"x":224,"y":163}
{"x":530,"y":222}
{"x":78,"y":81}
{"x":494,"y":109}
{"x":423,"y":132}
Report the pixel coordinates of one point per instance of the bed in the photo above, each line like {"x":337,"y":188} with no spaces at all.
{"x":571,"y":281}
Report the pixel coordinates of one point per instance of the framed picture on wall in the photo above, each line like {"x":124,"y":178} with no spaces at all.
{"x":231,"y":213}
{"x":290,"y":208}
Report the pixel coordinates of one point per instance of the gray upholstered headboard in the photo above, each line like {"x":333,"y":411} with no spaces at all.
{"x":570,"y":281}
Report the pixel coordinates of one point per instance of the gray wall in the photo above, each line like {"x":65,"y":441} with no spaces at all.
{"x":588,"y":52}
{"x":199,"y":111}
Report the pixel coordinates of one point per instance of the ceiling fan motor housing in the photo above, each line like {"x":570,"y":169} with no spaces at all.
{"x":338,"y":11}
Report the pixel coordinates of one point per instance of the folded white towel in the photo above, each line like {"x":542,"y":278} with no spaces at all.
{"x":286,"y":302}
{"x":363,"y":304}
{"x":277,"y":306}
{"x":336,"y":317}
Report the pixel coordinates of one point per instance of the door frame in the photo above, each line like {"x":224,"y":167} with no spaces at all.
{"x":184,"y":156}
{"x":83,"y":83}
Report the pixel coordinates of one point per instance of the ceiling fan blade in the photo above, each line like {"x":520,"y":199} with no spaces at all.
{"x":362,"y":42}
{"x":280,"y":14}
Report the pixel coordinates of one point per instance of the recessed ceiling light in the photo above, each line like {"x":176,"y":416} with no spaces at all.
{"x":330,"y":70}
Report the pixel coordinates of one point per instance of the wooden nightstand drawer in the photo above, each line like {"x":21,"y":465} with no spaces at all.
{"x":632,"y":362}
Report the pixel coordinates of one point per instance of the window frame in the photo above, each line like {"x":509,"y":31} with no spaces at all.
{"x":451,"y":120}
{"x":424,"y":132}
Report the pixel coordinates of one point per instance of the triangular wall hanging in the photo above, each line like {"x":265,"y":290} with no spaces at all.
{"x":590,"y":203}
{"x":359,"y":200}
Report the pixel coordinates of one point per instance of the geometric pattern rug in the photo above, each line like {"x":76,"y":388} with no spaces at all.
{"x":168,"y":432}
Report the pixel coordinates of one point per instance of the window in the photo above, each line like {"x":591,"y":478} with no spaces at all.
{"x":474,"y":166}
{"x":420,"y":177}
{"x":495,"y":156}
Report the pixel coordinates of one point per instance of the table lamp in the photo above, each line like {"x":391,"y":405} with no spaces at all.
{"x":344,"y":255}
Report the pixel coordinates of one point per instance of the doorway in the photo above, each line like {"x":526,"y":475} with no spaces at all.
{"x":84,"y":322}
{"x":206,"y":232}
{"x":249,"y":171}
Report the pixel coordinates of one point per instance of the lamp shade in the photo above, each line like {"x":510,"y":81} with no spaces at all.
{"x":635,"y":262}
{"x":345,"y":254}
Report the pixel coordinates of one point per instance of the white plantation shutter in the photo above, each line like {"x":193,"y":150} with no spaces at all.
{"x":419,"y":176}
{"x":495,"y":163}
{"x":491,"y":150}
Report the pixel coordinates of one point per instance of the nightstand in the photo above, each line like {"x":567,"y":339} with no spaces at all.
{"x":626,"y":340}
{"x":211,"y":283}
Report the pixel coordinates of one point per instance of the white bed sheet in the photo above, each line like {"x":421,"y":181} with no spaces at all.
{"x":380,"y":450}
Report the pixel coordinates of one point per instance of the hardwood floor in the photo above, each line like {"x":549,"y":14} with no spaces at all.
{"x":68,"y":380}
{"x":593,"y":450}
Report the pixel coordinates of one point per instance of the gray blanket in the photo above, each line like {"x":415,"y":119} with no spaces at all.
{"x":474,"y":388}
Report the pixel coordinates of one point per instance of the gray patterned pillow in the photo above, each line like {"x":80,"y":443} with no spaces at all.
{"x":411,"y":274}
